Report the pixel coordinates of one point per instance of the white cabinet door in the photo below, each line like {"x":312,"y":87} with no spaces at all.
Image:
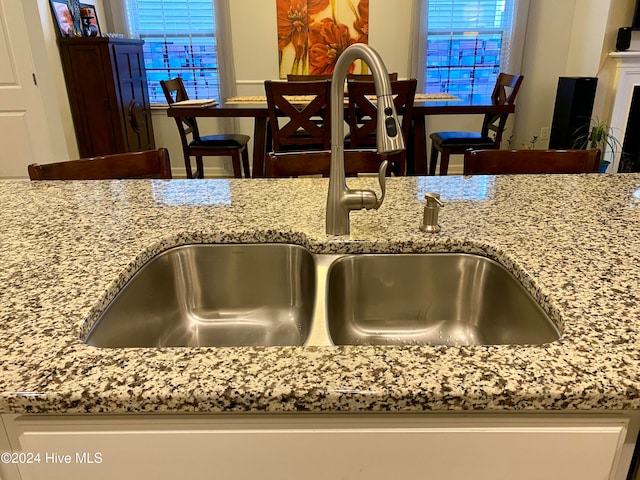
{"x":8,"y":470}
{"x":312,"y":448}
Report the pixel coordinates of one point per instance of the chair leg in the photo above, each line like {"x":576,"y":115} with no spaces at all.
{"x":433,"y":159}
{"x":444,"y":161}
{"x":199,"y":168}
{"x":187,"y":166}
{"x":245,"y":162}
{"x":235,"y":163}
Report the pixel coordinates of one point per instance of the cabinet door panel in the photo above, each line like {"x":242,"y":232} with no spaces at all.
{"x":107,"y":87}
{"x":132,"y":83}
{"x":163,"y":451}
{"x":90,"y":90}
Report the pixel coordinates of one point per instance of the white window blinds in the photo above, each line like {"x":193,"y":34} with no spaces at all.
{"x":468,"y":43}
{"x":180,"y":41}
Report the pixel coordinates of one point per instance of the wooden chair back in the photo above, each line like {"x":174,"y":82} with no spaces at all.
{"x":367,"y":77}
{"x":147,"y":164}
{"x":297,"y":124}
{"x":291,"y":77}
{"x":175,"y":91}
{"x":504,"y":93}
{"x":360,"y":77}
{"x":295,"y":164}
{"x":363,"y":114}
{"x":495,"y":162}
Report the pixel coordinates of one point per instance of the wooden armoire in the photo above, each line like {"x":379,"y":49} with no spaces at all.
{"x":107,"y":86}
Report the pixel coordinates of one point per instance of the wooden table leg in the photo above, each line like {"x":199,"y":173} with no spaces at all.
{"x":419,"y":146}
{"x":259,"y":145}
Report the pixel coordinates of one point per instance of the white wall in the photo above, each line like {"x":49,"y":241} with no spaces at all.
{"x":564,"y":37}
{"x":567,"y":38}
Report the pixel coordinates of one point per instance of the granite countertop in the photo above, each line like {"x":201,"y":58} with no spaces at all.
{"x":66,"y":248}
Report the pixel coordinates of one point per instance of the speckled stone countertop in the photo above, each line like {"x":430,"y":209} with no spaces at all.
{"x":66,"y":248}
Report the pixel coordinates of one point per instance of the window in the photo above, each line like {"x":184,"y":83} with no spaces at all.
{"x":180,"y":41}
{"x":468,"y":43}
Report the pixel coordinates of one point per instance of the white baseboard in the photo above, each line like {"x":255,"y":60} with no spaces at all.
{"x":209,"y":172}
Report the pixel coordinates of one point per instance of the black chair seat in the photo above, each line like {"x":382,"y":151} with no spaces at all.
{"x":462,"y":139}
{"x":221,"y":141}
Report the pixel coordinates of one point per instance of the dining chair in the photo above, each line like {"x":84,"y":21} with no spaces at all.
{"x":232,"y":145}
{"x":146,"y":164}
{"x":495,"y":162}
{"x":457,"y":143}
{"x":296,"y":164}
{"x":363,"y":114}
{"x":299,"y":115}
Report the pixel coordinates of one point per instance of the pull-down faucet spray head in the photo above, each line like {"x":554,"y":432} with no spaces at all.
{"x":388,"y":134}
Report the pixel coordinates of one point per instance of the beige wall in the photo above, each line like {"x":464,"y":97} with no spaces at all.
{"x":256,"y":56}
{"x":564,"y":38}
{"x":51,"y":79}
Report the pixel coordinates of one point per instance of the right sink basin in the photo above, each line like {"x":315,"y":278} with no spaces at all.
{"x":431,"y":299}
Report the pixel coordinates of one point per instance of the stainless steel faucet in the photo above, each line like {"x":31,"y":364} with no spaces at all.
{"x":341,"y":199}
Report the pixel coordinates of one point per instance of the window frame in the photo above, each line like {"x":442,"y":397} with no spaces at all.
{"x":510,"y":61}
{"x":206,"y":86}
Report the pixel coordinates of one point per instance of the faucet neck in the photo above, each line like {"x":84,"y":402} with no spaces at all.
{"x":340,"y":199}
{"x":380,"y":78}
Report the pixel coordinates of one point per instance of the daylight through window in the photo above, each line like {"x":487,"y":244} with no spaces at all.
{"x":468,"y":44}
{"x":180,"y":41}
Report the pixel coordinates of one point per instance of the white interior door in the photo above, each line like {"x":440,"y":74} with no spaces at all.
{"x":24,"y":137}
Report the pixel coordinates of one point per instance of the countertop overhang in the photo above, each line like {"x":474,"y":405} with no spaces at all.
{"x":67,"y":247}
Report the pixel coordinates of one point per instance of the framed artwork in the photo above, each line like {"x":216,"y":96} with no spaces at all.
{"x":90,"y":25}
{"x":62,"y":17}
{"x":313,"y":33}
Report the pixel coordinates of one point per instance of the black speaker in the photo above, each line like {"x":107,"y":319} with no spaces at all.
{"x":572,"y":112}
{"x":623,"y":42}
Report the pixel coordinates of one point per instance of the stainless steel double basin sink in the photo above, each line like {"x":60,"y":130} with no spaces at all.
{"x":228,"y":295}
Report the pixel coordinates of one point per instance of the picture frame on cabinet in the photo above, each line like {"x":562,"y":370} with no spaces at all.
{"x":63,"y":18}
{"x":90,"y":24}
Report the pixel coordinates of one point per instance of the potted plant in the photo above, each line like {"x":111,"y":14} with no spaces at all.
{"x":598,"y":134}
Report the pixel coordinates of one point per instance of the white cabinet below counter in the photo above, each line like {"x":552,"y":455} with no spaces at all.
{"x":314,"y":446}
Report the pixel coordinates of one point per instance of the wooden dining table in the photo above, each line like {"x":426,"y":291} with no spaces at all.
{"x":417,"y":157}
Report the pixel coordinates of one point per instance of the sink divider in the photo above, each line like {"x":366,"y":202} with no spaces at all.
{"x":319,"y":335}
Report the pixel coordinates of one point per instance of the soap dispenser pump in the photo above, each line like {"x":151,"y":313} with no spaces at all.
{"x":431,"y":210}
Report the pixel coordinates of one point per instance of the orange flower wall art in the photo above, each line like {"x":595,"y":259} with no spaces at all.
{"x":313,"y":33}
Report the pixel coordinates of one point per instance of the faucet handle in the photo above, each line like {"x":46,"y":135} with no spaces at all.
{"x":382,"y":179}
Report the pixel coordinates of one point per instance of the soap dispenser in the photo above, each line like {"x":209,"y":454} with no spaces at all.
{"x":431,"y":210}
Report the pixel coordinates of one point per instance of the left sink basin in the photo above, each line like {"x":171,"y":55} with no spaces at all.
{"x":214,"y":295}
